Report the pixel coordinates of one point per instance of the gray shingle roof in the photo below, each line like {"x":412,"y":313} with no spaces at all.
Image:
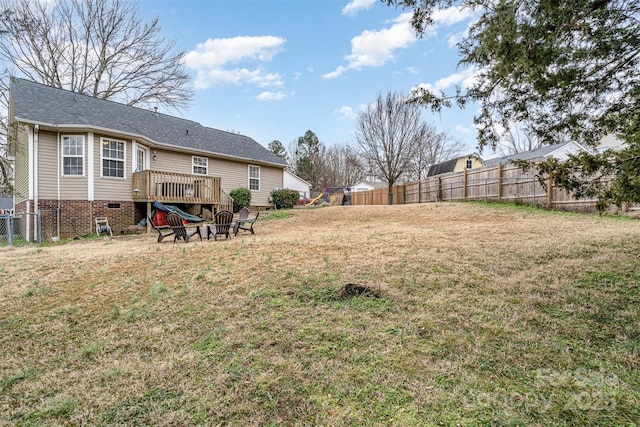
{"x":45,"y":105}
{"x":526,"y":155}
{"x":444,"y":167}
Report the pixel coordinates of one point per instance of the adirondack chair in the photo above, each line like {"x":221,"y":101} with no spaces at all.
{"x":177,"y":225}
{"x":244,"y":222}
{"x":163,"y":231}
{"x":222,"y":226}
{"x":180,"y":229}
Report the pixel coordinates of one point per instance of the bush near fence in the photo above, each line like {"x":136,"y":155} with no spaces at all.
{"x":495,"y":183}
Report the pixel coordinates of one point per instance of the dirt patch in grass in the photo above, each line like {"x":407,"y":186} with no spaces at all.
{"x":483,"y":314}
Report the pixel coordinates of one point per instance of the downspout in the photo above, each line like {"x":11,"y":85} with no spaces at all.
{"x":30,"y":172}
{"x":59,"y":158}
{"x":36,"y":234}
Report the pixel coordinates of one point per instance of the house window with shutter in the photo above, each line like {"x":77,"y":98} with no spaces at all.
{"x":73,"y":155}
{"x":113,"y":158}
{"x":469,"y":164}
{"x":254,"y":178}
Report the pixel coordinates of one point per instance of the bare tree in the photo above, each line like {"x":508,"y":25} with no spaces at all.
{"x":435,"y":147}
{"x":388,"y":134}
{"x":101,"y":48}
{"x":6,"y":167}
{"x":522,"y":137}
{"x":342,"y":167}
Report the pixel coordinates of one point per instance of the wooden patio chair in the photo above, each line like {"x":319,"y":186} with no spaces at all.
{"x":102,"y":226}
{"x":222,"y":227}
{"x":244,"y":222}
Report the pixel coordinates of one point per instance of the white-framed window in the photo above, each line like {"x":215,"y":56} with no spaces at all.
{"x":254,"y":178}
{"x":73,"y":155}
{"x":200,"y":165}
{"x":113,"y":158}
{"x":469,"y":164}
{"x":140,"y":160}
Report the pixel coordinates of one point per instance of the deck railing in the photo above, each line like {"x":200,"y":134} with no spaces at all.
{"x":179,"y":188}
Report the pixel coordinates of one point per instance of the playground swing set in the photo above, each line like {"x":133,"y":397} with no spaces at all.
{"x":333,"y":196}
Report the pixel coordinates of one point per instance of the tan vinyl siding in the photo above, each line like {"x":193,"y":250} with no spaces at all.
{"x":21,"y":189}
{"x":270,"y":178}
{"x":236,"y":175}
{"x":171,"y":162}
{"x":71,"y":187}
{"x":47,"y":165}
{"x":111,"y":188}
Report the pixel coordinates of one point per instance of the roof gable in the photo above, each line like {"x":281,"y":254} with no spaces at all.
{"x":443,"y":167}
{"x":49,"y":106}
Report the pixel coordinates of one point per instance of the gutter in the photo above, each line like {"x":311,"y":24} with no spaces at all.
{"x":152,"y":144}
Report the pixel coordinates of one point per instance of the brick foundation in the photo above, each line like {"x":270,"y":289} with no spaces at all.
{"x":77,"y":217}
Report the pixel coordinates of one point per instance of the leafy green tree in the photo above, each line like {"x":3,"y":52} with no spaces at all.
{"x":612,"y":177}
{"x":566,"y":67}
{"x":308,"y":158}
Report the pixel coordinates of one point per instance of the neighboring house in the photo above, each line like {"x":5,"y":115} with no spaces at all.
{"x":610,"y":142}
{"x":78,"y":157}
{"x":367,"y":186}
{"x":559,"y":151}
{"x":470,"y":161}
{"x":294,"y":182}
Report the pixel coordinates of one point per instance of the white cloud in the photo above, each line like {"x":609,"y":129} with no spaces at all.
{"x":356,"y":6}
{"x":237,"y":76}
{"x":464,"y":79}
{"x":464,"y":129}
{"x":376,"y":48}
{"x":347,"y":112}
{"x":271,"y":96}
{"x":212,"y":59}
{"x":451,"y":15}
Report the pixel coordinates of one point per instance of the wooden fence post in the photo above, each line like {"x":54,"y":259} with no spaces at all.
{"x":549,"y":192}
{"x":464,"y":185}
{"x":499,"y":181}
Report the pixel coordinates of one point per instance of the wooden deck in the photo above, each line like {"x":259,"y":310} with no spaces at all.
{"x":169,"y":187}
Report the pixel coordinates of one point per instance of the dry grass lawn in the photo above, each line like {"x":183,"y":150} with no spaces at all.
{"x":485,"y":315}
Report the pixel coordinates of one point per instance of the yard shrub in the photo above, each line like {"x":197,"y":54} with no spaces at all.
{"x":241,"y":198}
{"x":285,"y":198}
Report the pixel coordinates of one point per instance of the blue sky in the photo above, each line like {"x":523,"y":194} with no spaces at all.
{"x":273,"y":69}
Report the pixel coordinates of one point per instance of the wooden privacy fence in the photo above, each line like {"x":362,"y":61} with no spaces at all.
{"x":494,"y":183}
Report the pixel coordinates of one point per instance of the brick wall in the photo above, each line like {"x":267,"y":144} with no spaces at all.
{"x":77,"y":217}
